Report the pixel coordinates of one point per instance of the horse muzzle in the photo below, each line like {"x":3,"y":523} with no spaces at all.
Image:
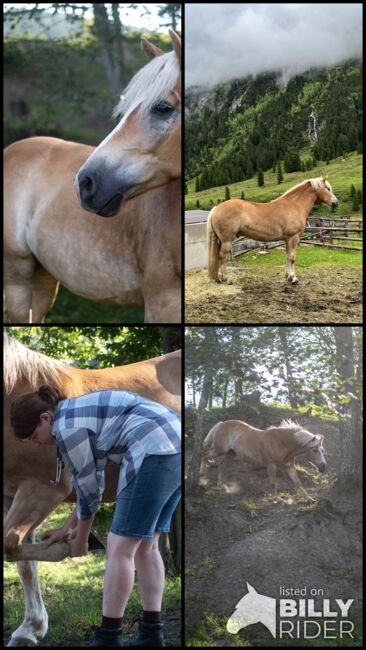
{"x":334,"y":204}
{"x":322,"y":467}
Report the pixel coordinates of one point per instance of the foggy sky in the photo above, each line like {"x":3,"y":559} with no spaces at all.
{"x":225,"y":41}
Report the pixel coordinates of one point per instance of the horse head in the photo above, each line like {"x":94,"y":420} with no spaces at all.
{"x":324,"y":192}
{"x":314,"y":452}
{"x":144,"y":149}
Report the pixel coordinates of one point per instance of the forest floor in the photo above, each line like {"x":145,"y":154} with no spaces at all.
{"x":242,"y":536}
{"x":260,"y":294}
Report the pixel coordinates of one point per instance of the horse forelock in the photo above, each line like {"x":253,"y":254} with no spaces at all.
{"x":319,"y":182}
{"x":23,"y":364}
{"x":153,"y":82}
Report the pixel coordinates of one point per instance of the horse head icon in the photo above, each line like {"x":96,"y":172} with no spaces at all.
{"x":253,"y":608}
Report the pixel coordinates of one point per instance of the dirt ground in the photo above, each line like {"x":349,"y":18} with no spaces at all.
{"x":286,"y":544}
{"x":261,"y":295}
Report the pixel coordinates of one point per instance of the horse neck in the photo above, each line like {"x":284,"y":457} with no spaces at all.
{"x":308,"y":196}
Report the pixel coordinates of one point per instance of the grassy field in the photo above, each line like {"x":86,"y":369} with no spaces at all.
{"x":72,"y":589}
{"x":342,"y":173}
{"x":70,"y":308}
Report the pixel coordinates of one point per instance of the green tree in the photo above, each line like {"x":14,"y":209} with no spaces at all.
{"x":227,"y":193}
{"x":260,"y":177}
{"x":279,"y":173}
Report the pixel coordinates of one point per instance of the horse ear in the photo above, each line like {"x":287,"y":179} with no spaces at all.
{"x":151,"y":51}
{"x":250,"y":588}
{"x":177,"y":44}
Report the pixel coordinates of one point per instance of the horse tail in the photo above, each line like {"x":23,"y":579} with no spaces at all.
{"x":213,"y":243}
{"x":208,"y":441}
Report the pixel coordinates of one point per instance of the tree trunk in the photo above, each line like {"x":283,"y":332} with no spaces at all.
{"x":350,"y":424}
{"x":194,"y":468}
{"x":283,"y":334}
{"x":110,"y":42}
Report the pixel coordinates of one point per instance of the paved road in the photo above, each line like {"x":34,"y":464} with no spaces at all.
{"x":196,"y":216}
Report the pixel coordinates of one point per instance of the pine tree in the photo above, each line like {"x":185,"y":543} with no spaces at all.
{"x":197,"y":188}
{"x":227,"y":193}
{"x":260,"y":178}
{"x":242,"y":196}
{"x":279,"y":173}
{"x":353,"y":190}
{"x":355,"y":203}
{"x":198,"y":204}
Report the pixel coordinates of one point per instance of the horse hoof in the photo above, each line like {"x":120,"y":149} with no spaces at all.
{"x":20,"y":641}
{"x":294,"y":280}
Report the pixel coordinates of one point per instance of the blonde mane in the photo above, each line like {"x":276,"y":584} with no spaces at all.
{"x":301,"y":436}
{"x":152,"y":83}
{"x":35,"y":367}
{"x":315,"y":184}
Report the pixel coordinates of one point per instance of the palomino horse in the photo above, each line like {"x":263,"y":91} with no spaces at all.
{"x":29,"y":497}
{"x":283,"y":218}
{"x":133,"y":258}
{"x":269,"y":448}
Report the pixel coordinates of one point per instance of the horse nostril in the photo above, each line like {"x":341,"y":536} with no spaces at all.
{"x":87,"y":187}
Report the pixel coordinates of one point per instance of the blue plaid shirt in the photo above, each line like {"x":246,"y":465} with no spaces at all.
{"x":111,"y":426}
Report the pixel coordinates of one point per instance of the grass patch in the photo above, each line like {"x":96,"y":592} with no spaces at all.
{"x":250,"y":508}
{"x":342,"y":174}
{"x":306,"y":257}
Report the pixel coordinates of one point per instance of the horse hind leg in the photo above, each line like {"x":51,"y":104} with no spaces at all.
{"x":224,"y":250}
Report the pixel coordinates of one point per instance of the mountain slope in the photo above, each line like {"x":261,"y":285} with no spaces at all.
{"x":236,"y":128}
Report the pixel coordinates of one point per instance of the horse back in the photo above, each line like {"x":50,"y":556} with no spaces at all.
{"x":241,"y":438}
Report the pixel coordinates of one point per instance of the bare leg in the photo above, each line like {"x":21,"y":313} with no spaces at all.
{"x":291,"y":244}
{"x":291,"y":471}
{"x":271,"y":470}
{"x":119,"y":573}
{"x":151,"y":574}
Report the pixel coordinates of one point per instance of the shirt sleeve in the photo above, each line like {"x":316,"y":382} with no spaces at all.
{"x":87,"y":479}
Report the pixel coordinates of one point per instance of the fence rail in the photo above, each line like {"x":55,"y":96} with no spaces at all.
{"x":325,"y":233}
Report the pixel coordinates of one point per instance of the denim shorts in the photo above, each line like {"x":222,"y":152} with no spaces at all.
{"x":147,"y":503}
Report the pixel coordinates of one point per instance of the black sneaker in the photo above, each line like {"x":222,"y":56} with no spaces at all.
{"x":104,"y":637}
{"x":149,"y":635}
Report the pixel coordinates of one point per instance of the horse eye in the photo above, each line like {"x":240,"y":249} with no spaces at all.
{"x":162,"y":108}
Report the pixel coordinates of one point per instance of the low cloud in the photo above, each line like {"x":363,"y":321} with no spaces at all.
{"x":227,"y":41}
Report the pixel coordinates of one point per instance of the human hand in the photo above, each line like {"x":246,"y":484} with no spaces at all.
{"x":53,"y":535}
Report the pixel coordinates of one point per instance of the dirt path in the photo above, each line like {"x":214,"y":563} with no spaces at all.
{"x":268,"y":545}
{"x":331,"y":294}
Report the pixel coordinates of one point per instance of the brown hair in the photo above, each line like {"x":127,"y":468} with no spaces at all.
{"x":26,"y":409}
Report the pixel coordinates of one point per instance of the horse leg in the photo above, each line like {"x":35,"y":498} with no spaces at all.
{"x":35,"y":615}
{"x":271,"y":471}
{"x":18,"y":278}
{"x":32,"y":502}
{"x":221,"y":466}
{"x":162,"y":305}
{"x":291,"y":471}
{"x":291,"y":244}
{"x":224,"y":250}
{"x":29,"y":507}
{"x":44,"y":292}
